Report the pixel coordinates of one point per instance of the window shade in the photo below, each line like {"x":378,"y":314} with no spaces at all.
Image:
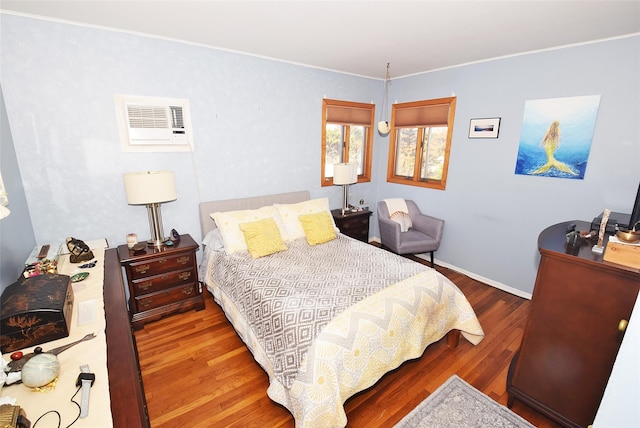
{"x":429,"y":115}
{"x":349,"y":115}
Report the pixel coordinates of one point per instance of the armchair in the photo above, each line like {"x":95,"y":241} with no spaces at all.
{"x":423,"y":236}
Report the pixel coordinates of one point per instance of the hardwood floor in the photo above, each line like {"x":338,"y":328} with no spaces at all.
{"x":198,"y":373}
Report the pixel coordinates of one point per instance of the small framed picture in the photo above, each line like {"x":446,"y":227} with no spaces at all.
{"x":484,"y":128}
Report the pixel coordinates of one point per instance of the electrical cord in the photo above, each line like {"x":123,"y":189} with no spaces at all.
{"x":58,"y":413}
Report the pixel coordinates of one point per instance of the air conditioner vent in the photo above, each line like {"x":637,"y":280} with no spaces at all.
{"x":154,"y":124}
{"x":147,"y":117}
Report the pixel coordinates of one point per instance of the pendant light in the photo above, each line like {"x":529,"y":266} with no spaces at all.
{"x":384,"y":127}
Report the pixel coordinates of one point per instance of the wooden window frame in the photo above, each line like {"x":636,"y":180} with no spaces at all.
{"x":365,"y":176}
{"x":415,"y":180}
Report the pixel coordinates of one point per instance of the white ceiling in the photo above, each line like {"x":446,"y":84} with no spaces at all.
{"x":358,"y":37}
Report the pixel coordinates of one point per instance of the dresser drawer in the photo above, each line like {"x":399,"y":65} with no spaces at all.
{"x":162,"y":298}
{"x":162,"y":264}
{"x":163,"y":281}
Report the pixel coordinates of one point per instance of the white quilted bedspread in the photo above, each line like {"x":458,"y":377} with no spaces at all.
{"x":362,"y":337}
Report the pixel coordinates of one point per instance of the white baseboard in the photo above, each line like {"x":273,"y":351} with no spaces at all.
{"x":492,"y":283}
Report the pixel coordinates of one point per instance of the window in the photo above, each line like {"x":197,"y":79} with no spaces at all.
{"x":420,"y":141}
{"x":347,"y":136}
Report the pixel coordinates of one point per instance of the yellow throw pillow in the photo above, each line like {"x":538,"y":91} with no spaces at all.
{"x":318,"y":227}
{"x":262,"y":237}
{"x":289,"y":213}
{"x":228,"y":222}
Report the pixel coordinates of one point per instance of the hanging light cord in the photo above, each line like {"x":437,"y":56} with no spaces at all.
{"x":385,"y":97}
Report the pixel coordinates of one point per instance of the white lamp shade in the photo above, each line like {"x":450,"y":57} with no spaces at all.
{"x":345,"y":173}
{"x":149,"y":187}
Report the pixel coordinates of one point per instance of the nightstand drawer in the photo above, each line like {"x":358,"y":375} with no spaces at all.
{"x":353,"y":224}
{"x":163,"y":281}
{"x":159,"y":265}
{"x":162,"y":298}
{"x":361,"y":233}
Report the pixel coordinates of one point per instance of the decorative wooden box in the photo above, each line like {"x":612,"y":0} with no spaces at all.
{"x":35,"y":310}
{"x":623,"y":254}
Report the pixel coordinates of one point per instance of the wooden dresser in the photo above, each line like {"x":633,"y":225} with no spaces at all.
{"x":162,"y":281}
{"x":353,"y":224}
{"x":579,"y":309}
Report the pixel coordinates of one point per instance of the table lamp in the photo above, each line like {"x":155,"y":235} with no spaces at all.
{"x":345,"y":174}
{"x":151,"y":188}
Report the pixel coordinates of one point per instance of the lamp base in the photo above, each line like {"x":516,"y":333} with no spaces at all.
{"x":155,"y":225}
{"x":159,"y":243}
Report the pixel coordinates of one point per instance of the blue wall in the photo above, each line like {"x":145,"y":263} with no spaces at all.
{"x":17,"y":239}
{"x":493,"y":217}
{"x":257,"y":131}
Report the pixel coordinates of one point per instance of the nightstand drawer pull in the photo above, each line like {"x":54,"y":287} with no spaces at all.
{"x":187,"y":290}
{"x":144,"y":286}
{"x":162,"y":261}
{"x":183,"y":260}
{"x":141,"y":268}
{"x":184,"y":275}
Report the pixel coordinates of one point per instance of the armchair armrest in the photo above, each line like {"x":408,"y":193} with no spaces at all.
{"x":389,"y":232}
{"x":429,"y":225}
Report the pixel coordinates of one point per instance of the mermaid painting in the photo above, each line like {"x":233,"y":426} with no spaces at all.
{"x":545,"y":150}
{"x":550,"y":143}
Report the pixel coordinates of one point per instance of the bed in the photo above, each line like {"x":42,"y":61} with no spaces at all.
{"x":325,"y":315}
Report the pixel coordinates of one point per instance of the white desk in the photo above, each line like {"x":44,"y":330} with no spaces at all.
{"x":88,"y":295}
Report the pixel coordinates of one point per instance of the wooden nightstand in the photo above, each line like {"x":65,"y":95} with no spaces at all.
{"x":353,"y":224}
{"x":162,"y":281}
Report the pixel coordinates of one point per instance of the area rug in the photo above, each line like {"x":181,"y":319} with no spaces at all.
{"x":456,"y":404}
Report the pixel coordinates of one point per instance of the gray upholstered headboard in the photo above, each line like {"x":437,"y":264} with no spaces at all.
{"x":206,"y":208}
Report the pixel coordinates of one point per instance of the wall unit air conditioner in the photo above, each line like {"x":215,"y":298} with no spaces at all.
{"x":152,"y":124}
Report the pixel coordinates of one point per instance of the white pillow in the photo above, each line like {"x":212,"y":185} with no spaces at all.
{"x":214,"y":240}
{"x":289,"y":214}
{"x":229,"y":225}
{"x":403,"y":219}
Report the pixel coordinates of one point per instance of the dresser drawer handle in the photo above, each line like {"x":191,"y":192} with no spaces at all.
{"x":144,"y":286}
{"x":184,"y":276}
{"x":162,"y":261}
{"x":141,"y":268}
{"x":145,"y":303}
{"x":187,"y":290}
{"x":183,"y":260}
{"x":622,"y":325}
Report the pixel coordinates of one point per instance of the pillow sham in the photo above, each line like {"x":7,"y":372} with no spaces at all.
{"x":318,"y":228}
{"x":289,"y":214}
{"x":228,"y":222}
{"x":262,"y":237}
{"x":402,"y":219}
{"x":214,"y":240}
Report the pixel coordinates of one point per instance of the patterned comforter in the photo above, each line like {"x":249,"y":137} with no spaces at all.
{"x":327,"y":321}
